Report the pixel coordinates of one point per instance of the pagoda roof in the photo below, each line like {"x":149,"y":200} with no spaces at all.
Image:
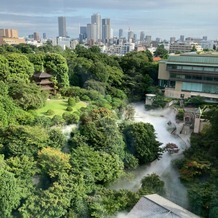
{"x":42,"y":75}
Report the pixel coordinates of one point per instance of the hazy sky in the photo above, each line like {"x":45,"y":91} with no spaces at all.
{"x":158,"y":18}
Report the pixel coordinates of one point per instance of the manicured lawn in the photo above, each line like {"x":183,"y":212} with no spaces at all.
{"x":58,"y":106}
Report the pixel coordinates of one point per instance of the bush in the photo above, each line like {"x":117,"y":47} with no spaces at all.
{"x":69,"y":108}
{"x":70,"y":118}
{"x":85,"y":98}
{"x":71,"y":101}
{"x":49,"y":112}
{"x":180,"y":114}
{"x":57,"y":120}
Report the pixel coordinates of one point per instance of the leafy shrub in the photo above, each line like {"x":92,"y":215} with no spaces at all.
{"x":69,"y":108}
{"x":71,"y":101}
{"x":180,"y":114}
{"x":49,"y":112}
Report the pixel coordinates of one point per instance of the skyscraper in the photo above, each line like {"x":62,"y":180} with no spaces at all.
{"x":62,"y":29}
{"x":91,"y":33}
{"x":120,"y":33}
{"x":96,"y":19}
{"x":142,"y":36}
{"x":106,"y":30}
{"x":182,"y":38}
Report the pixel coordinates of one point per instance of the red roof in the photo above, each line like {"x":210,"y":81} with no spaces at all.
{"x":156,"y":59}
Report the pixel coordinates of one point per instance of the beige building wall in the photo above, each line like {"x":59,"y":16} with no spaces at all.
{"x":163,"y":74}
{"x":178,"y":86}
{"x":9,"y":33}
{"x":11,"y":41}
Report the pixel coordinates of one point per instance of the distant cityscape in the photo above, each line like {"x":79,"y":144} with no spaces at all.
{"x":99,"y":32}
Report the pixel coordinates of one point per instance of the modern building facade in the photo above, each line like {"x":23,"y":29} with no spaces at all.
{"x":120,"y":33}
{"x":106,"y":30}
{"x":96,"y":20}
{"x":62,"y":27}
{"x":190,"y":75}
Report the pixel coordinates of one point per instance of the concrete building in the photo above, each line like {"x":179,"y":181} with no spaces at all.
{"x":92,"y":34}
{"x":62,"y":27}
{"x":182,"y":38}
{"x":142,"y":36}
{"x":189,"y":76}
{"x":9,"y":33}
{"x":10,"y":37}
{"x":83,"y":33}
{"x":148,"y":40}
{"x":106,"y":30}
{"x":180,"y":47}
{"x":172,"y":40}
{"x":36,"y":36}
{"x":63,"y":42}
{"x":96,"y":21}
{"x":120,"y":33}
{"x":130,"y":36}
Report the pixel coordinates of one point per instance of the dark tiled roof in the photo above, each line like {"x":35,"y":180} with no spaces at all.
{"x":42,"y":75}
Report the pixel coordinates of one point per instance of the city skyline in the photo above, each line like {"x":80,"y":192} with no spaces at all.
{"x":165,"y":19}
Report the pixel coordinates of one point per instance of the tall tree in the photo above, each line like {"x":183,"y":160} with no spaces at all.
{"x":56,"y":64}
{"x":141,"y":142}
{"x":9,"y":193}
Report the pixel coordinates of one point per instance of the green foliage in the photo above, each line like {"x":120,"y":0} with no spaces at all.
{"x":49,"y":112}
{"x":106,"y":202}
{"x":24,"y":169}
{"x":56,"y":65}
{"x":101,"y":131}
{"x":20,"y":68}
{"x":27,"y":96}
{"x":161,"y":52}
{"x":151,"y":184}
{"x":57,"y":120}
{"x":71,"y":101}
{"x":180,"y":114}
{"x":4,"y":68}
{"x":69,"y":108}
{"x":9,"y":193}
{"x":130,"y":162}
{"x":70,"y":118}
{"x":53,"y":161}
{"x":101,"y":166}
{"x":141,"y":142}
{"x":195,"y":101}
{"x":23,"y":140}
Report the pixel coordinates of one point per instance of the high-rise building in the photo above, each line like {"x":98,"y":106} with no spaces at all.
{"x":62,"y":28}
{"x":36,"y":36}
{"x":142,"y":36}
{"x":134,"y":37}
{"x":130,"y":36}
{"x":148,"y":40}
{"x":172,"y":40}
{"x":83,"y":33}
{"x":96,"y":20}
{"x":120,"y":33}
{"x":92,"y":33}
{"x":44,"y":36}
{"x":205,"y":38}
{"x":106,"y":30}
{"x":9,"y":33}
{"x":10,"y":36}
{"x":182,"y":38}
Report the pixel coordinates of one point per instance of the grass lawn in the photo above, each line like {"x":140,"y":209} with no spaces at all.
{"x":58,"y":106}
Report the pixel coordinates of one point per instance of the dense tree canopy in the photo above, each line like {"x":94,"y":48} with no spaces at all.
{"x":44,"y":175}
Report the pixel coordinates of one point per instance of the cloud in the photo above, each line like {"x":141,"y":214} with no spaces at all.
{"x":163,"y":17}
